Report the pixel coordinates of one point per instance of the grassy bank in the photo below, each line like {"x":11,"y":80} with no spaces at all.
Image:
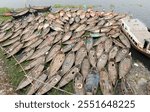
{"x":71,"y":6}
{"x":13,"y":71}
{"x":4,"y":10}
{"x":10,"y":69}
{"x":15,"y":76}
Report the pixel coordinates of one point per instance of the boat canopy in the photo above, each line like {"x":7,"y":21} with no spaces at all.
{"x":137,"y":30}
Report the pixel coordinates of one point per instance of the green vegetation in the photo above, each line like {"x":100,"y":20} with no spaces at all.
{"x":4,"y":18}
{"x":16,"y":76}
{"x":71,"y":6}
{"x":4,"y":10}
{"x":13,"y":71}
{"x":68,"y":88}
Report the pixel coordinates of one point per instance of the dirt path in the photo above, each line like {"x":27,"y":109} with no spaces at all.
{"x":5,"y":86}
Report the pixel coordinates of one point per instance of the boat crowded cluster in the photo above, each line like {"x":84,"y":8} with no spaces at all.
{"x":86,"y":47}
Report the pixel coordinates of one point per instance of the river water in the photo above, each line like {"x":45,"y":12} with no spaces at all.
{"x":136,"y":8}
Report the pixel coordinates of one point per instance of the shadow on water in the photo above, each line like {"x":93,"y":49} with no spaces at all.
{"x":137,"y":56}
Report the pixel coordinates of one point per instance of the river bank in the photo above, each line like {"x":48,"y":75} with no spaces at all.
{"x":6,"y":88}
{"x":132,"y":54}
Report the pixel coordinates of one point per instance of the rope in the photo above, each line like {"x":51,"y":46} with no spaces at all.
{"x":29,"y":77}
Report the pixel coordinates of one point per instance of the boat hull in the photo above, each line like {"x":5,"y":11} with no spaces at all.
{"x":134,"y":46}
{"x":41,"y":9}
{"x":20,"y":14}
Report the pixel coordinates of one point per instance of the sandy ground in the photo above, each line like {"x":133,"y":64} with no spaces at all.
{"x":5,"y":87}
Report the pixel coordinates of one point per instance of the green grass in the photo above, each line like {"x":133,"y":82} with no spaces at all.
{"x":3,"y":10}
{"x":71,"y":6}
{"x":2,"y":18}
{"x":13,"y":71}
{"x":9,"y":64}
{"x":15,"y":76}
{"x":68,"y":88}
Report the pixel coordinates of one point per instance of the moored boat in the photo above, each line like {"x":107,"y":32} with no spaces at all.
{"x":41,"y":8}
{"x":21,"y":13}
{"x":137,"y":33}
{"x":6,"y":14}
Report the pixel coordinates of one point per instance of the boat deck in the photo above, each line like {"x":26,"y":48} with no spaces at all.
{"x":137,"y":30}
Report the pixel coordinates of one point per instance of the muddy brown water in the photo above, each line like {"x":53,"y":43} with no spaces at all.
{"x":136,"y":8}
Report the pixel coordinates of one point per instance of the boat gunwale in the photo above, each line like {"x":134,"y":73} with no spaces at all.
{"x":135,"y":46}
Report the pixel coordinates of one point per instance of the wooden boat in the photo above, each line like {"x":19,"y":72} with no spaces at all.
{"x":18,"y":14}
{"x":6,"y":14}
{"x":137,"y":33}
{"x":41,"y":8}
